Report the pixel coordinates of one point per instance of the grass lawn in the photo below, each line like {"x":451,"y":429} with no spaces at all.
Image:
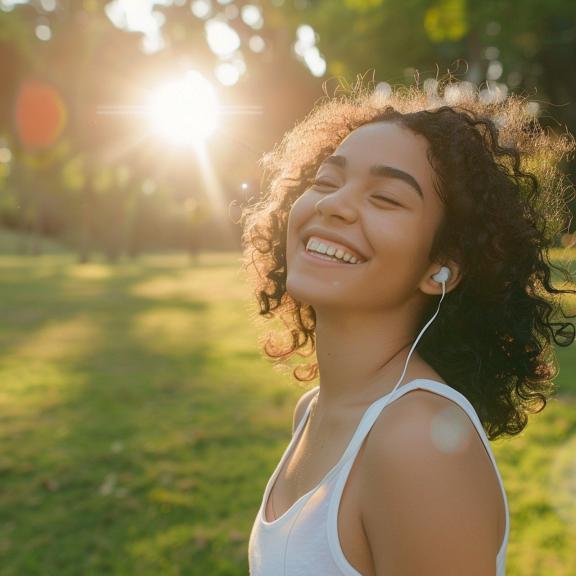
{"x":139,"y":424}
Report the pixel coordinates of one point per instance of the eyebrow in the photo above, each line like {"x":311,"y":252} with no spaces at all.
{"x":379,"y":170}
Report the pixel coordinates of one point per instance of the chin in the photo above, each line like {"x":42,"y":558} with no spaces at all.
{"x":296,"y":292}
{"x":302,"y":291}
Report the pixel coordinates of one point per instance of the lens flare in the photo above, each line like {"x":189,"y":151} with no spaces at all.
{"x":185,"y":111}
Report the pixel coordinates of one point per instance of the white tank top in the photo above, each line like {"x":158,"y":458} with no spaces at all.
{"x":304,"y":540}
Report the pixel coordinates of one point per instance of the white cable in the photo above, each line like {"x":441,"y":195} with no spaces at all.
{"x":419,"y":335}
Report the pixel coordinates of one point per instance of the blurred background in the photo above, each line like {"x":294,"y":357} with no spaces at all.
{"x":139,"y":421}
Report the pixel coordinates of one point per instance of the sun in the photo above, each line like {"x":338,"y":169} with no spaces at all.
{"x":184,"y":111}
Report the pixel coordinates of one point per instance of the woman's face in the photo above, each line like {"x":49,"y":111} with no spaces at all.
{"x":387,"y":215}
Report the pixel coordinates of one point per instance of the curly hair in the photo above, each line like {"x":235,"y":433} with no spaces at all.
{"x":497,"y":172}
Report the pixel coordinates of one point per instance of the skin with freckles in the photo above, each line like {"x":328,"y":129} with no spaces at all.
{"x":368,"y":314}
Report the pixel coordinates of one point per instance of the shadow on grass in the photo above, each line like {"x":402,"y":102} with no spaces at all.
{"x":122,"y":436}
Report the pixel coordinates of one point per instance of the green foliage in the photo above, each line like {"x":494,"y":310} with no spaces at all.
{"x":73,"y":173}
{"x":363,"y":5}
{"x":94,"y":64}
{"x":9,"y":209}
{"x":15,"y":30}
{"x":446,"y":21}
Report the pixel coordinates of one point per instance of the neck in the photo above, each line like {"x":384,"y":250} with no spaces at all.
{"x":360,"y":359}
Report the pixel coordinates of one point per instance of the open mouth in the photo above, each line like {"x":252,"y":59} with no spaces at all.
{"x":326,"y":260}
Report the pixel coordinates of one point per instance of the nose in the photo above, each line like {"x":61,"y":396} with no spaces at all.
{"x":340,"y":204}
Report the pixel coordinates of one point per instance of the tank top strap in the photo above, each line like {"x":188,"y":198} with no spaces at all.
{"x":374,"y":410}
{"x":372,"y":413}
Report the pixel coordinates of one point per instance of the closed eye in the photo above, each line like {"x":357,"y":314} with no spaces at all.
{"x":320,"y":183}
{"x":323,"y":183}
{"x":388,"y":200}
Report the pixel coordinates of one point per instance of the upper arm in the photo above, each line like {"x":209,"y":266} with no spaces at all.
{"x":300,"y":408}
{"x":426,"y":502}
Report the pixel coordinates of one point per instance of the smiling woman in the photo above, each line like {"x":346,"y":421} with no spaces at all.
{"x":425,"y":200}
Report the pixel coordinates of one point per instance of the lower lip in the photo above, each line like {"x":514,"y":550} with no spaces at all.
{"x":313,"y":257}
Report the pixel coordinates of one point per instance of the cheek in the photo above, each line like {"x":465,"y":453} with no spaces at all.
{"x":302,"y":209}
{"x":407,"y":248}
{"x":304,"y":202}
{"x":391,"y":233}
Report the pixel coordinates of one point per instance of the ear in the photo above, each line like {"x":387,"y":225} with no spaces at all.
{"x":430,"y":286}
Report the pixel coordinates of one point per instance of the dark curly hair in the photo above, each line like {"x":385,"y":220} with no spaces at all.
{"x":497,"y":172}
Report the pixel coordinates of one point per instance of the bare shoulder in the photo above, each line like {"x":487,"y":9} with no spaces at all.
{"x":427,"y":497}
{"x":301,"y":406}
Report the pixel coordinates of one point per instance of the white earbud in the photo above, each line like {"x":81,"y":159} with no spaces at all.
{"x":442,"y":275}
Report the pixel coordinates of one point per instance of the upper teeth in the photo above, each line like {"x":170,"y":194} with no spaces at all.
{"x":324,"y":247}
